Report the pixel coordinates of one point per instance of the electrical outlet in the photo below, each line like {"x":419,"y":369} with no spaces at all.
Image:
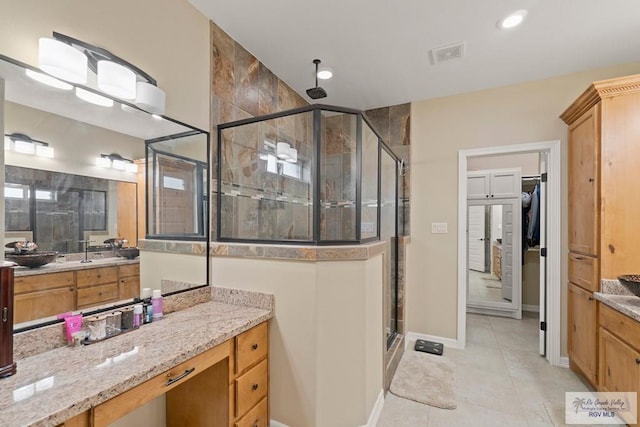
{"x":439,"y":228}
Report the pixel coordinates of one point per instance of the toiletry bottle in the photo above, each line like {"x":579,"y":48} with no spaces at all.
{"x":147,"y":308}
{"x":156,"y":302}
{"x":148,"y":311}
{"x":137,"y":315}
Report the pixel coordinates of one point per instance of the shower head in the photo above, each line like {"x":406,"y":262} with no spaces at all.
{"x":316,"y":92}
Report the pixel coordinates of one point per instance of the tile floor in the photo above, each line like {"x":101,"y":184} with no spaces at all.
{"x":500,"y":381}
{"x":484,"y":287}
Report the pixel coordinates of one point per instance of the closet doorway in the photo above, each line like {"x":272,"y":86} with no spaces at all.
{"x":499,"y":214}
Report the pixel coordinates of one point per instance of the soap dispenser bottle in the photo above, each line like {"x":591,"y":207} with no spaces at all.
{"x":156,"y":303}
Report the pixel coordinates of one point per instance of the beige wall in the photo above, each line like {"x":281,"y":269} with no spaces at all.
{"x":440,"y":127}
{"x":158,"y":266}
{"x":169,"y":40}
{"x":76,"y":144}
{"x":326,"y":336}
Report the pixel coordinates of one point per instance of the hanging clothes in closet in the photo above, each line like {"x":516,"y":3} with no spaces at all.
{"x":526,"y":206}
{"x":533,"y":233}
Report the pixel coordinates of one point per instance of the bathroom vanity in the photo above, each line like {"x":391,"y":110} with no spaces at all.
{"x":210,"y":361}
{"x":58,"y":288}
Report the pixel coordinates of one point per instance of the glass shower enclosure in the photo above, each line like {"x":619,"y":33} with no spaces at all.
{"x":317,"y":175}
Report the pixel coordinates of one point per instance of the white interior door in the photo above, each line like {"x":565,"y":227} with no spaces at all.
{"x":477,"y":238}
{"x":507,"y":251}
{"x":542,"y":345}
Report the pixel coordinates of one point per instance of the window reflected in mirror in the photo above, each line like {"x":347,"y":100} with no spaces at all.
{"x":177,"y":178}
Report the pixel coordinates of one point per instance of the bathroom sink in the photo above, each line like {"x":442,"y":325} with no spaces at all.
{"x":32,"y":259}
{"x":129,"y":253}
{"x":631,"y":282}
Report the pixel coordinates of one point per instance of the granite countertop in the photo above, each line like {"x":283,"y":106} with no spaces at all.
{"x":54,"y":386}
{"x":625,"y":304}
{"x":56,"y":267}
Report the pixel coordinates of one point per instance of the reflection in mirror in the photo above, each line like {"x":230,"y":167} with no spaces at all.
{"x":62,"y":211}
{"x":493,"y":266}
{"x":74,"y":177}
{"x":178,"y":187}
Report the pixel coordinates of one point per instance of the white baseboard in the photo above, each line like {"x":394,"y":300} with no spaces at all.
{"x":274,"y":423}
{"x":531,"y":308}
{"x":564,"y":362}
{"x":448,"y":342}
{"x":376,"y":411}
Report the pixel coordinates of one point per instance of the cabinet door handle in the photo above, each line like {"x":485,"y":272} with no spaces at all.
{"x":254,"y":387}
{"x":179,"y":377}
{"x":254,"y":347}
{"x":492,"y":195}
{"x":486,"y":195}
{"x":579,"y":258}
{"x":590,"y":298}
{"x":5,"y":314}
{"x":591,"y":179}
{"x":637,"y":360}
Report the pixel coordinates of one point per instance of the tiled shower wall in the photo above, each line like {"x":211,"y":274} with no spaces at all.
{"x":242,"y":87}
{"x":394,"y":125}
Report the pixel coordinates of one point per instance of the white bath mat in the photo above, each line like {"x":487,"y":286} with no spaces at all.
{"x":425,"y":378}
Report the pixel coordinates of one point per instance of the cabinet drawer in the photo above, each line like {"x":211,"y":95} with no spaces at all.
{"x":129,"y":287}
{"x":251,"y":346}
{"x":41,"y":282}
{"x":97,"y":294}
{"x":257,"y":417}
{"x":113,"y":409}
{"x":129,"y":270}
{"x":251,"y":387}
{"x":97,"y":276}
{"x":584,"y":271}
{"x":620,"y":325}
{"x":36,"y":305}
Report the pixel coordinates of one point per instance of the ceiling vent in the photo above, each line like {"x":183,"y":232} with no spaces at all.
{"x":448,"y":53}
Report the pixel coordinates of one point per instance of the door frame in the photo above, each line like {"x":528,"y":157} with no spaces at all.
{"x":554,"y":228}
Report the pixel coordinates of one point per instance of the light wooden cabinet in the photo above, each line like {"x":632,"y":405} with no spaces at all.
{"x":582,"y":344}
{"x":128,"y":281}
{"x":43,"y":295}
{"x":603,"y":150}
{"x":250,"y":387}
{"x":503,"y":183}
{"x":227,"y":385}
{"x":497,"y":260}
{"x":619,"y":352}
{"x":49,"y":294}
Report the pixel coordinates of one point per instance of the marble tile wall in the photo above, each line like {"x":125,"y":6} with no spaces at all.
{"x":243,"y":87}
{"x":394,"y":125}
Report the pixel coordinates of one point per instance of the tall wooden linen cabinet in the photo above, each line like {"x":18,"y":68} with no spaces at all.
{"x":604,"y":204}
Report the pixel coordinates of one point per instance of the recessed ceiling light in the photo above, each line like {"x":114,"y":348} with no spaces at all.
{"x":512,"y":20}
{"x":325,"y":74}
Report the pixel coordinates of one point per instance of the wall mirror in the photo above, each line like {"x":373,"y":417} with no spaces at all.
{"x":88,"y":182}
{"x":494,"y":259}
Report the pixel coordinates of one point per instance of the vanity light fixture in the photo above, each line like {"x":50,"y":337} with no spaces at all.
{"x":48,"y":80}
{"x":93,"y":98}
{"x":512,"y":20}
{"x":116,"y":80}
{"x":285,"y":152}
{"x":69,"y":59}
{"x":61,"y":60}
{"x":24,"y":144}
{"x":116,"y":161}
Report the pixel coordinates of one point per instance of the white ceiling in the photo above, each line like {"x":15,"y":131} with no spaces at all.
{"x":379,"y":49}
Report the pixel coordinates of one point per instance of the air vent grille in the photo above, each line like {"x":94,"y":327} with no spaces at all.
{"x":448,"y":53}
